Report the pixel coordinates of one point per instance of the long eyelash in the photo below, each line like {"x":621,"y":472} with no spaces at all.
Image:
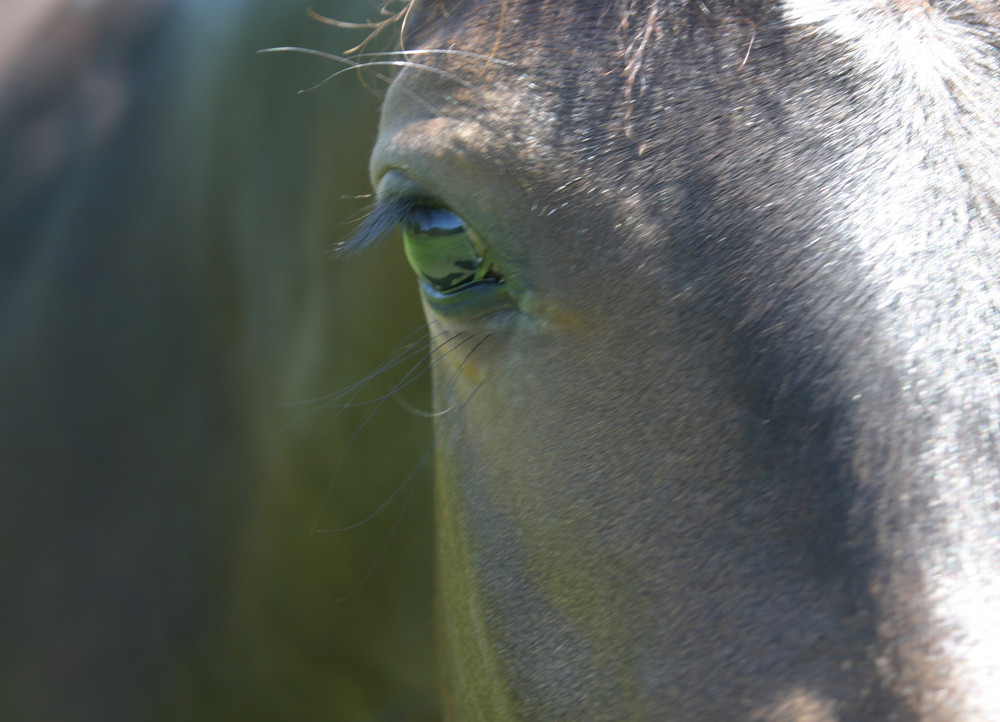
{"x":376,"y":226}
{"x":385,"y":216}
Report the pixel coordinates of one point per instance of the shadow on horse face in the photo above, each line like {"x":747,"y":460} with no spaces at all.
{"x":720,"y":440}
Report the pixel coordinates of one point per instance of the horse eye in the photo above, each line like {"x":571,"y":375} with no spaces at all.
{"x":444,"y":252}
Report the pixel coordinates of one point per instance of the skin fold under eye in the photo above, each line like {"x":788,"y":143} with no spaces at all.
{"x":445,"y":253}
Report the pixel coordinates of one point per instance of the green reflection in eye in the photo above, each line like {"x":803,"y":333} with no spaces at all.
{"x":444,"y":253}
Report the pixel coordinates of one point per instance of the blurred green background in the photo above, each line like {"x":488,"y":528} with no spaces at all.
{"x":167,"y":201}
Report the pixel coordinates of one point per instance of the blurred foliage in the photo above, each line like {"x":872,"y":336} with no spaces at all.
{"x":167,"y":201}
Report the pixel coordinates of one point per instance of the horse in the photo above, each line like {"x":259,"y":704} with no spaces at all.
{"x":711,"y":288}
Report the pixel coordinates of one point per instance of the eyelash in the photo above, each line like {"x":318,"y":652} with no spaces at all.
{"x":379,"y":222}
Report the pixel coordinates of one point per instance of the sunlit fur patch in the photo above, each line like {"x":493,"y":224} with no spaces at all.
{"x":924,"y":216}
{"x":798,"y":706}
{"x":910,"y":39}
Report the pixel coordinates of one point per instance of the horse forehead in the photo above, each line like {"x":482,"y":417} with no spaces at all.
{"x":588,"y":61}
{"x":916,"y":33}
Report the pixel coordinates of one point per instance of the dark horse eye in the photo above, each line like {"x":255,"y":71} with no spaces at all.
{"x":444,"y":252}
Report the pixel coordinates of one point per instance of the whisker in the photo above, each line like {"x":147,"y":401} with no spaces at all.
{"x":381,"y":507}
{"x":400,"y":16}
{"x":393,"y":394}
{"x":406,"y":406}
{"x":413,"y":410}
{"x":354,"y":65}
{"x":390,"y":64}
{"x":399,"y":517}
{"x":343,"y":24}
{"x":382,"y":549}
{"x":389,"y":362}
{"x":409,"y":408}
{"x":422,"y":461}
{"x":438,"y":51}
{"x":405,"y":13}
{"x":357,"y":432}
{"x":352,"y":391}
{"x":454,"y":379}
{"x":401,"y":353}
{"x":407,"y":379}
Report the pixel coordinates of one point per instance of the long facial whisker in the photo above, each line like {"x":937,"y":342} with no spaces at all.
{"x":376,"y":26}
{"x":335,"y":399}
{"x":343,"y":24}
{"x":408,"y":378}
{"x":407,"y":482}
{"x":357,"y":432}
{"x":417,"y":348}
{"x":404,"y":349}
{"x":382,"y":549}
{"x":413,"y":410}
{"x":406,"y":406}
{"x":461,"y":407}
{"x":402,"y":485}
{"x":437,"y":51}
{"x":355,"y":65}
{"x":389,"y":64}
{"x":412,"y":376}
{"x":449,"y":389}
{"x":385,"y":504}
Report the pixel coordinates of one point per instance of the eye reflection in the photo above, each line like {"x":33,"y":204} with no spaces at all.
{"x":445,"y":253}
